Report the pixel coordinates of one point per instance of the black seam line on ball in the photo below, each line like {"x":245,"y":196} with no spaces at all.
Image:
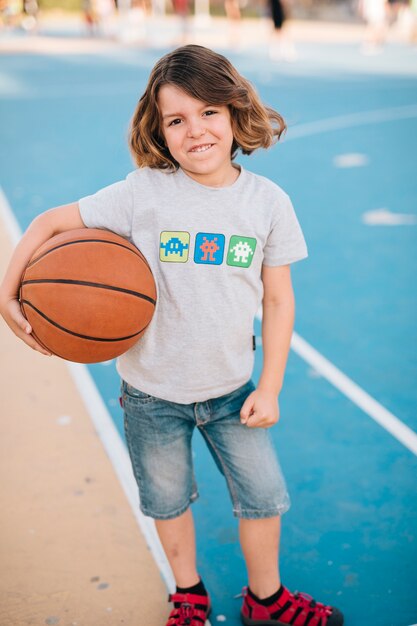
{"x":69,"y":243}
{"x":85,"y":283}
{"x":71,"y":332}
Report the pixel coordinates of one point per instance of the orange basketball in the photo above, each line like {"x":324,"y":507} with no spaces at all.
{"x":88,"y":294}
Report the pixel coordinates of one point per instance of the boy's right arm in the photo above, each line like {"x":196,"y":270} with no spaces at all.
{"x":43,"y":227}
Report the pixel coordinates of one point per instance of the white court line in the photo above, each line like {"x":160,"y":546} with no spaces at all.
{"x":119,"y":457}
{"x":356,"y":394}
{"x":351,"y":390}
{"x":9,"y":219}
{"x":361,"y":118}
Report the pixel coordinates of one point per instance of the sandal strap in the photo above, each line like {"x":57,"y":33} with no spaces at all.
{"x":193,"y":609}
{"x":189,"y":598}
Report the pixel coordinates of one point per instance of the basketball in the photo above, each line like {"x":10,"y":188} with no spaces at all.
{"x":88,"y":294}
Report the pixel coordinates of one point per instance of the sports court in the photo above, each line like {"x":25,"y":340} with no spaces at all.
{"x":347,"y":436}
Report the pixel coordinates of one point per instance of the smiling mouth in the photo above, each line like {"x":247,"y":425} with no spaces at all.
{"x":202,"y":148}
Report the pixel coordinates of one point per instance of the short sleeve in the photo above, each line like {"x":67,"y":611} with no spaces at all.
{"x":110,"y":208}
{"x":285,"y":243}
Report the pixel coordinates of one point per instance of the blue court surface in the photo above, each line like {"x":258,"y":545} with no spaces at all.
{"x":348,"y":162}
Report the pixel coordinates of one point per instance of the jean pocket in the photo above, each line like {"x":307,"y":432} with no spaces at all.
{"x":131,"y":392}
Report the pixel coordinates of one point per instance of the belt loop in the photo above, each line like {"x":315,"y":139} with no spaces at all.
{"x":205,"y":408}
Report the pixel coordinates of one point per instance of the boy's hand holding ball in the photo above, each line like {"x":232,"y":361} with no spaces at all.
{"x":11,"y":311}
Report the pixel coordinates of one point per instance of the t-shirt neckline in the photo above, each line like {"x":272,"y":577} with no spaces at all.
{"x":208,"y":188}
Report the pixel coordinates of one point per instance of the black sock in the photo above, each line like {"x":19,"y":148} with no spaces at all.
{"x":198,"y":589}
{"x":266,"y":601}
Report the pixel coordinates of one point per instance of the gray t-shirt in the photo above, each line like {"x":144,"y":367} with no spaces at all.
{"x":206,"y":247}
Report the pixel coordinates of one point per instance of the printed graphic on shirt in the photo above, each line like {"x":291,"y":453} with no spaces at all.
{"x":209,"y":248}
{"x":174,"y":246}
{"x":240,"y":251}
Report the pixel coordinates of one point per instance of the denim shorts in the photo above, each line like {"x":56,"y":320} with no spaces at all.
{"x":158,"y":435}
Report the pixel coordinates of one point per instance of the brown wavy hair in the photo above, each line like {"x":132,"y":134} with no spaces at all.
{"x":211,"y":78}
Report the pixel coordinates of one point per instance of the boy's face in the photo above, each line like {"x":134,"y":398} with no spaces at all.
{"x":198,"y":136}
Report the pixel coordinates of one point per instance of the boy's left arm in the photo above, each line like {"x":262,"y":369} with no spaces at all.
{"x":260,"y":409}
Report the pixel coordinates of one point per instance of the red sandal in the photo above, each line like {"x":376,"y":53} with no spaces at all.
{"x":193,"y":609}
{"x":298,"y":609}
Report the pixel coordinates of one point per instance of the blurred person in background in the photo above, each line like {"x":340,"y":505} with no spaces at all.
{"x":403,"y":14}
{"x":374,"y":13}
{"x":19,"y":13}
{"x":97,"y":14}
{"x":233,"y":14}
{"x":90,"y":17}
{"x":132,"y":20}
{"x":413,"y":37}
{"x":182,"y":9}
{"x":281,"y":47}
{"x":396,"y":6}
{"x":30,"y":17}
{"x":10,"y":13}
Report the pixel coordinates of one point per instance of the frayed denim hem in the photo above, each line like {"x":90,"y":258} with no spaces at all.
{"x":257,"y":514}
{"x":173,"y":514}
